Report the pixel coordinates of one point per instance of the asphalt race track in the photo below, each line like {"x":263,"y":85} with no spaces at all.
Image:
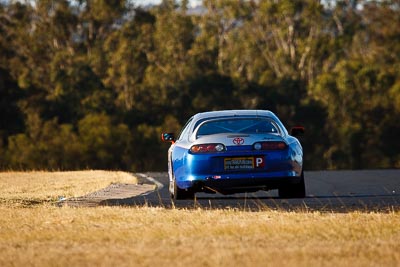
{"x":336,"y":191}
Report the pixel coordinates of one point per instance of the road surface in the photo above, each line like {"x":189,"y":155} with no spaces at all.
{"x":337,"y":191}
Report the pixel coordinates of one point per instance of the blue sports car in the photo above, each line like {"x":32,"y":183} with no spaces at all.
{"x":235,"y":151}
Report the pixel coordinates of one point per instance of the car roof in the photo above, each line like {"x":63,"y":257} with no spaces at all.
{"x":229,"y":113}
{"x":232,"y":113}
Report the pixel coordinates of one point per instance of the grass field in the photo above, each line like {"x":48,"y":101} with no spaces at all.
{"x":42,"y":234}
{"x":27,"y":188}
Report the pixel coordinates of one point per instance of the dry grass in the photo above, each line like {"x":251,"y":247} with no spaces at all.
{"x":105,"y":236}
{"x":44,"y":235}
{"x":38,"y":187}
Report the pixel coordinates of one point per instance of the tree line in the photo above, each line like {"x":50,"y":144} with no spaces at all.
{"x":93,"y":83}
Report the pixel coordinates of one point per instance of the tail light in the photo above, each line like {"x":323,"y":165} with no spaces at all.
{"x":207,"y":148}
{"x":275,"y":145}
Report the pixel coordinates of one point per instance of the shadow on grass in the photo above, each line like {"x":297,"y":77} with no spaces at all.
{"x":362,"y":203}
{"x":25,"y":203}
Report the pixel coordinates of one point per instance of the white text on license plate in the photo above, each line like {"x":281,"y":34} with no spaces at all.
{"x":243,"y":163}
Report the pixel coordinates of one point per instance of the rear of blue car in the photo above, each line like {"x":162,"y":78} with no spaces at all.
{"x":238,"y":169}
{"x":235,"y":151}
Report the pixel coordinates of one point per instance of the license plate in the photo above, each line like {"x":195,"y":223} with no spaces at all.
{"x":243,"y":163}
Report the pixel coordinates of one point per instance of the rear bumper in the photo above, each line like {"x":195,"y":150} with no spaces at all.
{"x":208,"y":172}
{"x":231,"y":185}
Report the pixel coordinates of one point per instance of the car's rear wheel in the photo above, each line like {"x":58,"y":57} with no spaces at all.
{"x":179,"y":194}
{"x":297,"y":190}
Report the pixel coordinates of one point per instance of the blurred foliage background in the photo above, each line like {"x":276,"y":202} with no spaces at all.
{"x":93,"y":83}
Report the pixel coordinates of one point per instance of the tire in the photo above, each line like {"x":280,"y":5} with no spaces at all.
{"x":297,"y":190}
{"x":180,"y":194}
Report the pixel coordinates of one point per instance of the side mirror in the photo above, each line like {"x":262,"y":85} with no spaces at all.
{"x":168,"y":137}
{"x":297,"y":131}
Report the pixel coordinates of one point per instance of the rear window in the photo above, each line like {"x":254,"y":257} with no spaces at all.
{"x":248,"y":125}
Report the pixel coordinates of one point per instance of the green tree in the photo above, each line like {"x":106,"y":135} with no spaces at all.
{"x":358,"y":90}
{"x":106,"y":77}
{"x":128,"y":50}
{"x":44,"y":147}
{"x":104,"y":144}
